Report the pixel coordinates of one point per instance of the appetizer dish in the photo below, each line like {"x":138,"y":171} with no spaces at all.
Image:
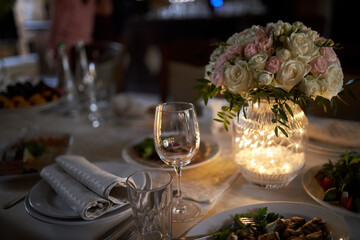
{"x":341,"y":181}
{"x":26,"y":94}
{"x":263,"y":225}
{"x":31,"y":154}
{"x":142,"y":153}
{"x":146,"y":151}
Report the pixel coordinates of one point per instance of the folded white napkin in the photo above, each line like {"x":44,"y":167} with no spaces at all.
{"x":87,"y":189}
{"x":105,"y":184}
{"x":335,"y":131}
{"x":83,"y":201}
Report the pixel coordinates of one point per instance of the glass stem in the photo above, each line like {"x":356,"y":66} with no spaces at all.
{"x":178,"y":182}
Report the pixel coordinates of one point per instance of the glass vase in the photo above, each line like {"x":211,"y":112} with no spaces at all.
{"x":264,"y":158}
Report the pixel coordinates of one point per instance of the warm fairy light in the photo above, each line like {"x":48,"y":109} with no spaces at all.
{"x":283,"y":161}
{"x":286,"y":167}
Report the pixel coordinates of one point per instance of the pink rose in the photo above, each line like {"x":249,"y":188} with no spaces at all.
{"x":220,"y":61}
{"x":263,"y":41}
{"x":217,"y":74}
{"x":217,"y":77}
{"x":234,"y":50}
{"x":328,"y":53}
{"x":319,"y":65}
{"x":273,"y":64}
{"x":250,"y":50}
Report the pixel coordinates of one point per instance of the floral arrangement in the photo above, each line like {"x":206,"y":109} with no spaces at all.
{"x":282,"y":61}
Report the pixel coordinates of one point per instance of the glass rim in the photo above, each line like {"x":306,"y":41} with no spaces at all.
{"x":149,"y":170}
{"x":189,"y":108}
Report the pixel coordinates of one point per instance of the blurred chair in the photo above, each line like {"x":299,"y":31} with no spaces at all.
{"x":182,"y":63}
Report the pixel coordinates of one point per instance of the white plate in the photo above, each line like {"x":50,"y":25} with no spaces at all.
{"x":335,"y":224}
{"x":43,"y":202}
{"x":315,"y":191}
{"x":327,"y":149}
{"x":132,"y":157}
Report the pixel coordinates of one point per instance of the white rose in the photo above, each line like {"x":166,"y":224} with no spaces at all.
{"x":332,"y":83}
{"x":302,"y":46}
{"x":290,"y":74}
{"x":265,"y":78}
{"x":258,"y":61}
{"x":310,"y":86}
{"x":238,"y":77}
{"x":283,"y":54}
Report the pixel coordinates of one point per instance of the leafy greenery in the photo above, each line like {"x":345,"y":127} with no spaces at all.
{"x":345,"y":175}
{"x":280,"y":108}
{"x":237,"y":103}
{"x":260,"y":216}
{"x":36,"y":149}
{"x":146,"y":148}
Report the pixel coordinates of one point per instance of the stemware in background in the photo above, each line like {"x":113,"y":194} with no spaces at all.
{"x":150,"y":197}
{"x":95,"y":116}
{"x":66,"y":81}
{"x":177,"y":141}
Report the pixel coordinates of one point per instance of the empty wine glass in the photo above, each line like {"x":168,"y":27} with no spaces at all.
{"x":177,"y":141}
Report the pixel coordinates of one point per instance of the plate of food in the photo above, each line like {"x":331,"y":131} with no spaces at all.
{"x":24,"y":97}
{"x":27,"y":155}
{"x":336,"y":185}
{"x":282,"y":219}
{"x":142,"y":153}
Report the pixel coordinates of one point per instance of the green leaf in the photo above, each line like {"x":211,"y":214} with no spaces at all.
{"x":261,"y":214}
{"x":226,"y":127}
{"x":289,"y":109}
{"x":283,"y":131}
{"x":283,"y":123}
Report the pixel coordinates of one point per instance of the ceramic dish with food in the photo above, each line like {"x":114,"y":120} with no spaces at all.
{"x":320,"y":217}
{"x":141,"y":153}
{"x":31,"y":153}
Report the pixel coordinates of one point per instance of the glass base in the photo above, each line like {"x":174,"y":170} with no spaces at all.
{"x":184,"y":211}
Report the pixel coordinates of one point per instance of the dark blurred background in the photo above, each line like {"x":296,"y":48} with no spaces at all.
{"x":168,"y":42}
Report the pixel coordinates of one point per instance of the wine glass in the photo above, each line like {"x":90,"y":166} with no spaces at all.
{"x":177,"y":141}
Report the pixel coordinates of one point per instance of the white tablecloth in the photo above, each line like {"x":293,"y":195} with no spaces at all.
{"x":105,"y":144}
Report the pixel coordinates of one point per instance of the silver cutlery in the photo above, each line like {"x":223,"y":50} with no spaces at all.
{"x":14,"y":201}
{"x":200,"y":237}
{"x":123,"y":229}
